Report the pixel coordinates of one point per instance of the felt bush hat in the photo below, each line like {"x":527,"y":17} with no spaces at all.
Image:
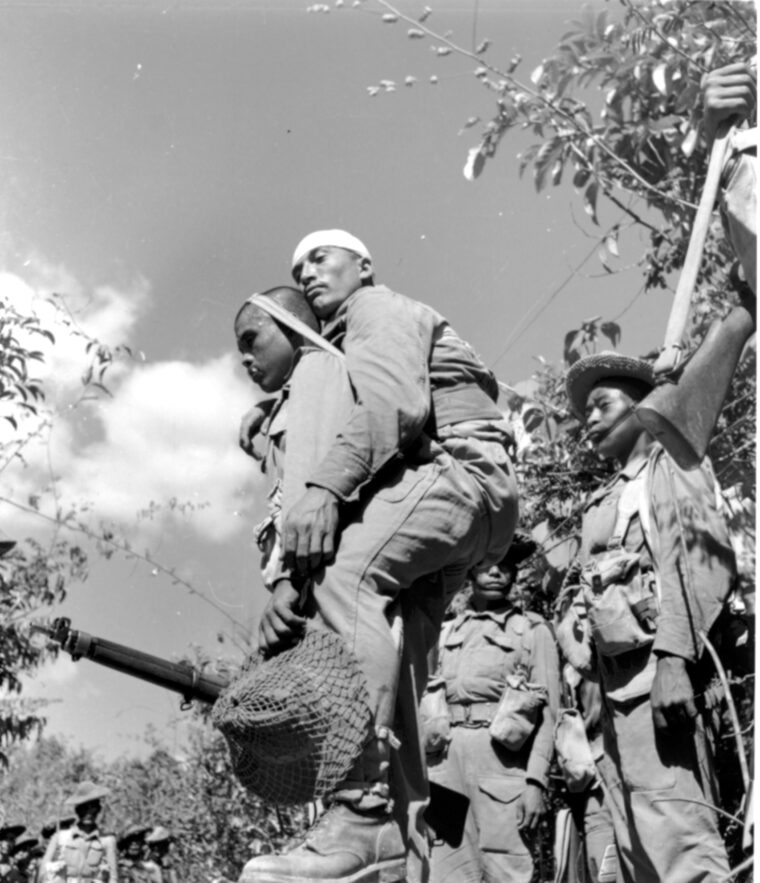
{"x":11,"y":832}
{"x":323,"y":238}
{"x":85,"y":793}
{"x":25,"y":845}
{"x":132,"y":832}
{"x":607,"y":365}
{"x":160,"y":835}
{"x":523,"y":546}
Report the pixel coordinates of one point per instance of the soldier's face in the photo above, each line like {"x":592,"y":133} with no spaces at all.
{"x":134,"y":848}
{"x":87,"y":814}
{"x":267,"y":352}
{"x":491,"y":585}
{"x":328,"y":275}
{"x":612,"y":427}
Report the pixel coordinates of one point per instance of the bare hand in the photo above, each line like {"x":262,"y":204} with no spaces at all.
{"x":280,"y":621}
{"x":728,"y":92}
{"x":530,"y":807}
{"x":672,"y":694}
{"x":309,"y":534}
{"x":250,"y":424}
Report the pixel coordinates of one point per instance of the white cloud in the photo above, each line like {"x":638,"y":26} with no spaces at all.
{"x":168,"y":435}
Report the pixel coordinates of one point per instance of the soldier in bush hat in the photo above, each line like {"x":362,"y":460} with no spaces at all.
{"x":133,"y":868}
{"x":21,"y":855}
{"x":497,"y":663}
{"x":656,"y":567}
{"x":159,"y":842}
{"x":8,"y":833}
{"x":81,"y":850}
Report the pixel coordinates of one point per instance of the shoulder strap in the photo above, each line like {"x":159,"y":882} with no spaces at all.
{"x":280,"y":314}
{"x":645,"y":516}
{"x":526,"y":639}
{"x":63,"y":838}
{"x":629,"y":504}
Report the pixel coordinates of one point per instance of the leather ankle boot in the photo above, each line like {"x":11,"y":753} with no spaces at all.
{"x":346,"y":845}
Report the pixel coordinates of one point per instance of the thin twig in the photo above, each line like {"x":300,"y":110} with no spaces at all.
{"x":640,"y":15}
{"x":745,"y":865}
{"x":569,"y":118}
{"x":743,"y":766}
{"x":79,"y":527}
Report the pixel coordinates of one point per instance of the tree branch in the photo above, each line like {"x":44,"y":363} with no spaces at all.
{"x":567,"y":117}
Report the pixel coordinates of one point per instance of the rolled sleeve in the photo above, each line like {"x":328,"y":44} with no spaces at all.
{"x":696,"y":563}
{"x":544,"y":671}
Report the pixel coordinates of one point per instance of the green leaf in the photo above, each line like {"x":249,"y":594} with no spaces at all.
{"x":660,"y":78}
{"x":611,"y":330}
{"x":476,"y":160}
{"x":589,"y":201}
{"x":611,"y":242}
{"x":580,"y":178}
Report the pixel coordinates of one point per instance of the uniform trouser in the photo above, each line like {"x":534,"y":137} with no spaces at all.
{"x":431,"y":517}
{"x":493,"y":779}
{"x":653,"y":788}
{"x":599,"y":838}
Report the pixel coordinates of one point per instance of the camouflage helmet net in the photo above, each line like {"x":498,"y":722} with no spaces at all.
{"x":296,"y":722}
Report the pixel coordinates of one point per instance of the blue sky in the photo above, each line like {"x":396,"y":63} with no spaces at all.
{"x":160,"y":162}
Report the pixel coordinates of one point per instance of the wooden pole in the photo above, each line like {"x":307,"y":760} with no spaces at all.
{"x":670,"y":356}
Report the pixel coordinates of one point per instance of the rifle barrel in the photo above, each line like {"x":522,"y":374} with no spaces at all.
{"x":179,"y":677}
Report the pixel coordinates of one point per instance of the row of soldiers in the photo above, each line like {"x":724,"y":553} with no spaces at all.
{"x":73,"y":847}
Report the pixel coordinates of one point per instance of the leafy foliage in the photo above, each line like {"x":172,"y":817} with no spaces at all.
{"x":196,"y":796}
{"x":33,"y":576}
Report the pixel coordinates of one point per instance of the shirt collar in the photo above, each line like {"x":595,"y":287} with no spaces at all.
{"x":337,"y":321}
{"x":499,"y":618}
{"x":634,"y":466}
{"x":78,"y":832}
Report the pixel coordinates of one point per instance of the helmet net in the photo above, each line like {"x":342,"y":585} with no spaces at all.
{"x":297,"y":721}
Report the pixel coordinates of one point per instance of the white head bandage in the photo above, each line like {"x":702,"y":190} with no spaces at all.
{"x":336,"y":238}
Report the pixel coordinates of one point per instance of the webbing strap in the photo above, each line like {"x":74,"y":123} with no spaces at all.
{"x":283,"y":315}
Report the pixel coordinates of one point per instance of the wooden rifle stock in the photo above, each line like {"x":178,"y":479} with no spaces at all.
{"x":180,"y":677}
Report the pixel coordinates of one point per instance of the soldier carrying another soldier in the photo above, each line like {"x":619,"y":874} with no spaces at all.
{"x":415,"y":489}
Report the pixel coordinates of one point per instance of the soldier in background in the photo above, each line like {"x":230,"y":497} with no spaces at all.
{"x":8,"y":834}
{"x":160,"y":860}
{"x":133,"y":867}
{"x":81,"y":851}
{"x":22,"y":855}
{"x":490,"y":654}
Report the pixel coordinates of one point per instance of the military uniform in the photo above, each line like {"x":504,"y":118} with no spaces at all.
{"x":76,"y":856}
{"x":419,"y":463}
{"x":656,"y":782}
{"x":479,"y":651}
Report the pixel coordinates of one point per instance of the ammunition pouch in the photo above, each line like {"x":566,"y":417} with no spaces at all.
{"x":517,"y":713}
{"x":435,"y":719}
{"x":573,"y":631}
{"x":574,"y":756}
{"x":620,"y":595}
